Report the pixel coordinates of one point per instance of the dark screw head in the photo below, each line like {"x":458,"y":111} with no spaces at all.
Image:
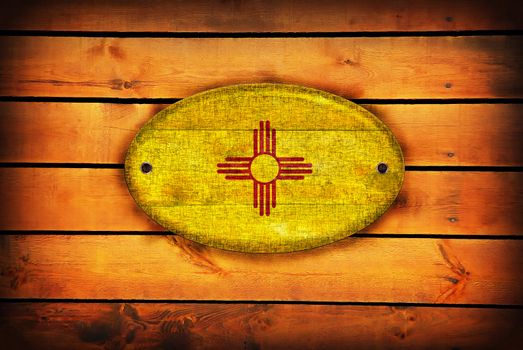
{"x":382,"y":168}
{"x":146,"y":168}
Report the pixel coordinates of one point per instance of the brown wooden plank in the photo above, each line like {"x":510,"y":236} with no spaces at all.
{"x":255,"y":326}
{"x":413,"y":270}
{"x":390,"y":67}
{"x":446,"y":134}
{"x":98,"y":199}
{"x":456,"y":134}
{"x":260,"y":16}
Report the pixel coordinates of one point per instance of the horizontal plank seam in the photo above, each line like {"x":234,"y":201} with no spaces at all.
{"x":62,"y":165}
{"x":437,"y":236}
{"x":448,"y":168}
{"x":395,"y":101}
{"x":355,"y":34}
{"x":454,"y":168}
{"x":264,"y":302}
{"x":472,"y":236}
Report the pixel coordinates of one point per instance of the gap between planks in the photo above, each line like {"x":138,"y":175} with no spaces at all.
{"x":250,"y":35}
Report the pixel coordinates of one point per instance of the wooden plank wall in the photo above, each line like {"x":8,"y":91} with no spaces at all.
{"x":82,"y":267}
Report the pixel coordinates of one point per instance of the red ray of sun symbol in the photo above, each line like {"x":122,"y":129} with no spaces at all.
{"x":264,"y":168}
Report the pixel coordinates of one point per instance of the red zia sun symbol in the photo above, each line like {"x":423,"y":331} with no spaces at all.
{"x":264,"y":168}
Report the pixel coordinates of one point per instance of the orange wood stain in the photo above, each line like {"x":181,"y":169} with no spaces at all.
{"x":430,"y":134}
{"x":95,"y":272}
{"x":361,"y":67}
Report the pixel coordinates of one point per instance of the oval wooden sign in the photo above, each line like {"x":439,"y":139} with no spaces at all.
{"x":264,"y":168}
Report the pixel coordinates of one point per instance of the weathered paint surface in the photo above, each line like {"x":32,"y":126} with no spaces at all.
{"x":264,"y":168}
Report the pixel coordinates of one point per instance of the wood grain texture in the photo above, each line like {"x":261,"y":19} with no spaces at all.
{"x":446,"y":134}
{"x":159,"y":266}
{"x":255,"y":326}
{"x":260,"y":16}
{"x":356,"y":269}
{"x":98,"y":199}
{"x":382,"y":67}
